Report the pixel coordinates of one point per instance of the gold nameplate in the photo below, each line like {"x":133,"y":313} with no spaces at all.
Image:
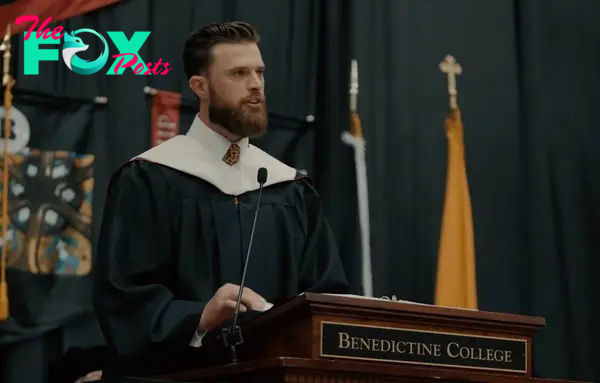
{"x":421,"y":347}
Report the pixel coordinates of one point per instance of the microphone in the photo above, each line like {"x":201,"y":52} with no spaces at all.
{"x":232,"y":336}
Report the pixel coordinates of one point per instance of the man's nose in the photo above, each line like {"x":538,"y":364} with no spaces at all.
{"x":255,"y":82}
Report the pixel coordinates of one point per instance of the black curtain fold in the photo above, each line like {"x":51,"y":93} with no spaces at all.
{"x":560,"y":92}
{"x":334,"y":174}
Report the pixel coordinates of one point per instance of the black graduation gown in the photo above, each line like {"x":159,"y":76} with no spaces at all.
{"x":169,"y":240}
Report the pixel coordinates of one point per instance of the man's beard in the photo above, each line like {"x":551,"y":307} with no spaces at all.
{"x":242,"y":120}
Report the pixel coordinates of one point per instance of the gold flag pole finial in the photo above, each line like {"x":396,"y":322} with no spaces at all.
{"x":7,"y":82}
{"x":451,"y":68}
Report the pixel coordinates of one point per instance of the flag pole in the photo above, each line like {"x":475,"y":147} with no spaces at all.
{"x":456,"y":279}
{"x":354,"y":138}
{"x":7,"y":82}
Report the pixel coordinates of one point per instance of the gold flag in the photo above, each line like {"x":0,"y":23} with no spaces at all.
{"x":456,"y":283}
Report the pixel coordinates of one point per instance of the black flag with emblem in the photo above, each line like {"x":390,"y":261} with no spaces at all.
{"x":52,"y":210}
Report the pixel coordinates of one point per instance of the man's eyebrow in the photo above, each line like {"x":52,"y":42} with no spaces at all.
{"x":245,"y":67}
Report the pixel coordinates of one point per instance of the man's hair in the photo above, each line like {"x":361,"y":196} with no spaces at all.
{"x":197,"y":54}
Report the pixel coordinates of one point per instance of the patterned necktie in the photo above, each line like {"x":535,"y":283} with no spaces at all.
{"x":233,"y":155}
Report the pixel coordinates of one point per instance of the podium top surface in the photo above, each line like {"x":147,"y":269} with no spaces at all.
{"x":338,"y":303}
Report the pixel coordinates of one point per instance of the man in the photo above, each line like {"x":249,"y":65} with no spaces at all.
{"x":178,"y":218}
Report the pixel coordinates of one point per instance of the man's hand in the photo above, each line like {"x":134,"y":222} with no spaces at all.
{"x":222,"y":305}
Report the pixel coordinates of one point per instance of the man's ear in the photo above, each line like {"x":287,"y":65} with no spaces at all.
{"x":199,"y":85}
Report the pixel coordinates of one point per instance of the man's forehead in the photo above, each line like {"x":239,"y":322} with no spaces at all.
{"x":233,"y":55}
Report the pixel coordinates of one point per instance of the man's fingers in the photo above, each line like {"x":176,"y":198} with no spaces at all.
{"x":252,"y":300}
{"x":230,"y":304}
{"x":229,"y":291}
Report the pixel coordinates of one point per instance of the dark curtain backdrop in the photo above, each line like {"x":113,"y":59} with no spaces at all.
{"x":529,"y":95}
{"x":559,"y":61}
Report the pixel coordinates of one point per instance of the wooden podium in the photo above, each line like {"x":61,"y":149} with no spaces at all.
{"x":346,"y":339}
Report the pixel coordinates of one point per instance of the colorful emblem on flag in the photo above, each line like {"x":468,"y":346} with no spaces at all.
{"x":50,"y":212}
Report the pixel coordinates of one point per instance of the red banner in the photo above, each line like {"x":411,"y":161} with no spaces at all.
{"x":165,"y":116}
{"x":57,"y":9}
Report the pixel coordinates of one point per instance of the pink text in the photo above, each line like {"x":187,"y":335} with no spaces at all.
{"x":46,"y":33}
{"x":152,"y":68}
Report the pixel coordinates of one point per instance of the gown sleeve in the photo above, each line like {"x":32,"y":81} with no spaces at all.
{"x":133,"y":292}
{"x":321,"y":269}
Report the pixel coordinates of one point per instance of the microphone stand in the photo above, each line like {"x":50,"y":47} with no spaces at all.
{"x":232,"y":336}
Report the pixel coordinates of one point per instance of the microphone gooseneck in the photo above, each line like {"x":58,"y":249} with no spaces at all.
{"x":233,"y":335}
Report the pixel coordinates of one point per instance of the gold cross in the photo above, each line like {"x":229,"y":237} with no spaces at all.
{"x":451,"y":68}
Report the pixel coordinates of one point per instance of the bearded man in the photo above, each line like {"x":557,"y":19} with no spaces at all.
{"x":178,"y":218}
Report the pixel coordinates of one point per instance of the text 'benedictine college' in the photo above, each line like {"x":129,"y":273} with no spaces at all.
{"x":353,"y":341}
{"x":453,"y":349}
